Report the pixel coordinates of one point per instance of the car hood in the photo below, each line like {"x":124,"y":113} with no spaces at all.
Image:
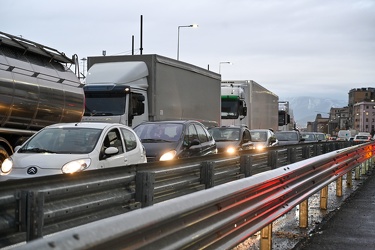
{"x":225,"y":144}
{"x":44,"y":160}
{"x":260,"y":143}
{"x":288,"y":142}
{"x":156,"y":149}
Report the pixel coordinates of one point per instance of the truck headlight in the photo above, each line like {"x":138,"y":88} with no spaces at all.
{"x":76,"y":166}
{"x":7,"y":166}
{"x":168,"y":156}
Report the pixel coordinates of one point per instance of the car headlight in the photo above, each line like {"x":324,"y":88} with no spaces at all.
{"x":260,"y":147}
{"x":76,"y":166}
{"x":231,"y":150}
{"x":168,"y":156}
{"x":7,"y":166}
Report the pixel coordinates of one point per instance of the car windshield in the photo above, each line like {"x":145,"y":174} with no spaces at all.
{"x":286,"y":136}
{"x":258,"y":136}
{"x":62,"y":141}
{"x":309,"y":137}
{"x":361,"y":137}
{"x":159,"y":132}
{"x":225,"y":134}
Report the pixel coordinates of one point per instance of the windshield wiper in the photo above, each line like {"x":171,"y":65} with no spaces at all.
{"x":37,"y":150}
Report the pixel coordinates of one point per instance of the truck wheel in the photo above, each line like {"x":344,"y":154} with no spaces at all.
{"x":3,"y":154}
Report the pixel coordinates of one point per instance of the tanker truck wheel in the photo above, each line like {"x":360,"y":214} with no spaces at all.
{"x":3,"y":155}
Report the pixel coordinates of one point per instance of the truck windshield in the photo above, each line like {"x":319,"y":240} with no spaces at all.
{"x":105,"y":104}
{"x":229,"y":108}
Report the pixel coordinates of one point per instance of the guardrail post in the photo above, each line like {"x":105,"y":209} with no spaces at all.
{"x":303,"y":214}
{"x":305,"y":152}
{"x":246,"y":161}
{"x":34,"y":215}
{"x":207,"y":174}
{"x":324,"y":198}
{"x":291,"y":154}
{"x":272,"y":159}
{"x":266,"y":238}
{"x":339,"y":187}
{"x":144,"y":188}
{"x":363,"y":169}
{"x":318,"y":150}
{"x":349,"y":179}
{"x":357,"y":171}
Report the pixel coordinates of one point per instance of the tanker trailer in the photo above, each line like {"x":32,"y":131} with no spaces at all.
{"x":36,"y":89}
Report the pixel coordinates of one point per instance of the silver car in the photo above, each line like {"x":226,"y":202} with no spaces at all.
{"x":263,"y":138}
{"x":73,"y":147}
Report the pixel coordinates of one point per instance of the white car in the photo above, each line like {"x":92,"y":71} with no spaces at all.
{"x":72,"y":147}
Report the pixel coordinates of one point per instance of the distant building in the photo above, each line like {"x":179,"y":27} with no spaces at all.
{"x":364,"y":116}
{"x":358,"y":95}
{"x":358,"y":115}
{"x":338,"y":120}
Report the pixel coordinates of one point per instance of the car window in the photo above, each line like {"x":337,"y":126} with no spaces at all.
{"x":201,"y":133}
{"x":246,"y":135}
{"x":129,"y":139}
{"x":191,"y":134}
{"x":113,"y":139}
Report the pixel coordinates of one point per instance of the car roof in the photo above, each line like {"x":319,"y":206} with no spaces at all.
{"x":171,"y":121}
{"x":97,"y":125}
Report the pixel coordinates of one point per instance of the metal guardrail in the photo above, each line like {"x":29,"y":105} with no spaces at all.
{"x":32,"y":208}
{"x":216,"y":218}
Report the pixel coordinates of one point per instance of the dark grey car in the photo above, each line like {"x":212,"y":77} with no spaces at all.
{"x":168,"y":140}
{"x":289,"y":137}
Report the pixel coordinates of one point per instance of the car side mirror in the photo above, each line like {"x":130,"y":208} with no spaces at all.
{"x":195,"y":142}
{"x":111,"y":151}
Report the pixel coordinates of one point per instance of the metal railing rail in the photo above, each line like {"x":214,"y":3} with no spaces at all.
{"x":216,"y":218}
{"x":31,"y":208}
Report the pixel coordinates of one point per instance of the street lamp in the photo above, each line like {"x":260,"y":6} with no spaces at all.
{"x":83,"y":67}
{"x":220,"y":63}
{"x":178,"y":37}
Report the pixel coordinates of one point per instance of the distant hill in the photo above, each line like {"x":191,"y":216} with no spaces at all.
{"x":306,"y":108}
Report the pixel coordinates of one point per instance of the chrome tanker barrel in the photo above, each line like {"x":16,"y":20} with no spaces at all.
{"x":36,"y":87}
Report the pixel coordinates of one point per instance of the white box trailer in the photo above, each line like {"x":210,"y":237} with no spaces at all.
{"x":248,"y":103}
{"x":137,"y":88}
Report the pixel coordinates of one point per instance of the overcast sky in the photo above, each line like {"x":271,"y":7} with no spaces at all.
{"x":292,"y":47}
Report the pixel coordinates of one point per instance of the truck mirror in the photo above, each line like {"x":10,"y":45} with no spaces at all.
{"x":244,"y":111}
{"x":140,"y":108}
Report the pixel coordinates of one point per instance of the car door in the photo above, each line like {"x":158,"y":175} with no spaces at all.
{"x":113,"y":139}
{"x":190,"y":148}
{"x":246,"y":140}
{"x":133,"y":151}
{"x":207,"y":146}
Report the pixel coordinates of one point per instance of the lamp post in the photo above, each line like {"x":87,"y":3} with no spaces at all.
{"x":83,"y":67}
{"x":178,"y":37}
{"x":220,"y":63}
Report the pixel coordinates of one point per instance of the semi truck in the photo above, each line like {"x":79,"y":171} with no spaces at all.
{"x":36,"y":89}
{"x":245,"y":102}
{"x":131,"y":89}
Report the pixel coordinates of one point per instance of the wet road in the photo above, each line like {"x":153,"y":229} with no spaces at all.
{"x":347,"y":220}
{"x":352,"y":226}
